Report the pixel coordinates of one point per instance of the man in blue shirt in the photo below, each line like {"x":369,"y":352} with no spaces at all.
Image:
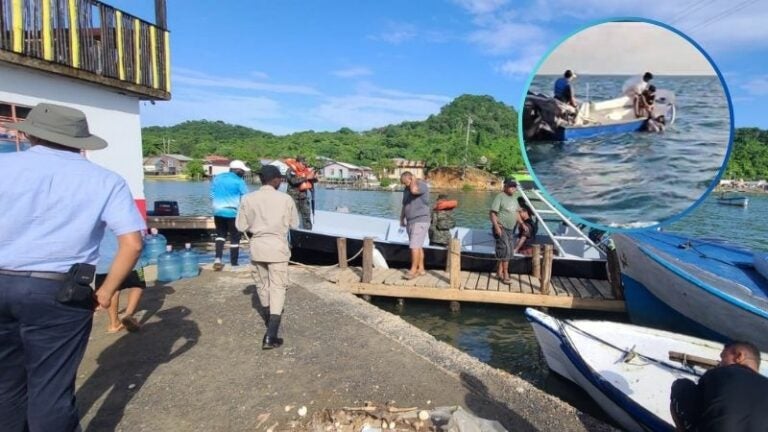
{"x":226,"y":191}
{"x":56,"y":207}
{"x":564,"y":90}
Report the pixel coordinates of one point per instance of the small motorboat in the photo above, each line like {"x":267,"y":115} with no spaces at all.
{"x":576,"y":255}
{"x":626,"y":369}
{"x":547,"y":119}
{"x":704,"y":287}
{"x":732,"y":199}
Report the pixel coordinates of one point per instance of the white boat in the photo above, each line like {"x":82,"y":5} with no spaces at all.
{"x":733,"y":199}
{"x":624,"y":368}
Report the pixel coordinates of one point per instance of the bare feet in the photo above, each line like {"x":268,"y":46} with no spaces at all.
{"x":117,"y":329}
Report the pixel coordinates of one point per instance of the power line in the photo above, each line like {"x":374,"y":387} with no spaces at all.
{"x":689,"y":11}
{"x":724,"y":14}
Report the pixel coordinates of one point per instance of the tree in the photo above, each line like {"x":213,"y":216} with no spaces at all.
{"x":194,"y":169}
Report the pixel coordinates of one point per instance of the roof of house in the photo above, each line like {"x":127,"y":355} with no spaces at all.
{"x":346,"y":165}
{"x":179,"y":157}
{"x":405,"y":163}
{"x":216,"y":160}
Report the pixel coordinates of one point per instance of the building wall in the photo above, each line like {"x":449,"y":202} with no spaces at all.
{"x":395,"y":173}
{"x":112,"y":116}
{"x":335,"y":171}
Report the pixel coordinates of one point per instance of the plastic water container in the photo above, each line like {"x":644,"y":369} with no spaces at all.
{"x":168,"y":265}
{"x":154,"y":245}
{"x":190,"y":264}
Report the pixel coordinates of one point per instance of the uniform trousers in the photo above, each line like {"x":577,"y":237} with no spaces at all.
{"x":41,"y":345}
{"x":273,"y":278}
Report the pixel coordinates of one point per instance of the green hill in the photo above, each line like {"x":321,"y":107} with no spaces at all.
{"x":439,"y":140}
{"x":749,"y":158}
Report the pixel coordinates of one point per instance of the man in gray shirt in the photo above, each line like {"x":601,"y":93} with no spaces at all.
{"x":415,"y":216}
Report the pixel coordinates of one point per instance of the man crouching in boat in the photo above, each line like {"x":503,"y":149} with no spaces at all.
{"x":730,"y":397}
{"x":655,"y":125}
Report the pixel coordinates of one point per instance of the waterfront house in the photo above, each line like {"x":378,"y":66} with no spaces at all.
{"x":167,"y":164}
{"x":400,"y":165}
{"x":214,"y":165}
{"x":87,"y":55}
{"x":346,"y":172}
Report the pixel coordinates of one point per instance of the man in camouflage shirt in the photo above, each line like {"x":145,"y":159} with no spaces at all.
{"x":441,"y":224}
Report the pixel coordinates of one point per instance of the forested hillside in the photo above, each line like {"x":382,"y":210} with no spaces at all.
{"x":749,"y":158}
{"x":439,"y":140}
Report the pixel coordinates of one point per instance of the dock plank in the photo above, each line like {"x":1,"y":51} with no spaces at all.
{"x":562,"y":289}
{"x":602,"y":286}
{"x":527,"y":286}
{"x":593,"y":292}
{"x":397,"y":275}
{"x":583,"y":291}
{"x":472,"y":282}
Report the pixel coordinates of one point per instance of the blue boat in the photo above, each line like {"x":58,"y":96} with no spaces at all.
{"x":732,"y":199}
{"x":547,"y":119}
{"x":703,"y":287}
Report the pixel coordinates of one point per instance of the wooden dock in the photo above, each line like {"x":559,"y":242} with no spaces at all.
{"x":453,"y":284}
{"x":525,"y":290}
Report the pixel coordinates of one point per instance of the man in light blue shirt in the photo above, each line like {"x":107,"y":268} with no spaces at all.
{"x":56,"y":205}
{"x":226,"y":191}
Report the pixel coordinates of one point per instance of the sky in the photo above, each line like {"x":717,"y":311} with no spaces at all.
{"x":289,"y":65}
{"x":627,"y":48}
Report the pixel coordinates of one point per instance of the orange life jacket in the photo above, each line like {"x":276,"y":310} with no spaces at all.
{"x":300,"y":170}
{"x":446,"y":205}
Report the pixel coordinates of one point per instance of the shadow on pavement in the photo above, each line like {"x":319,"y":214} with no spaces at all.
{"x":126,"y":365}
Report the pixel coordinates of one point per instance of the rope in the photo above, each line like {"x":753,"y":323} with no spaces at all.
{"x":628,"y":354}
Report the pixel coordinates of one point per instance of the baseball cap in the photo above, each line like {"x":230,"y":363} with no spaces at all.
{"x":510,"y":182}
{"x":238,"y":164}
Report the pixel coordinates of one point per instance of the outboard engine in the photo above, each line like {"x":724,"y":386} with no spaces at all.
{"x":543,"y":115}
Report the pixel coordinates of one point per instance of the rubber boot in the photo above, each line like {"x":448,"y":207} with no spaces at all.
{"x":217,"y":265}
{"x":264,"y":314}
{"x":234,"y":253}
{"x":270,"y":339}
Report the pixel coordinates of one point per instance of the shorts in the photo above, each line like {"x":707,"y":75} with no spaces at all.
{"x":135,"y":279}
{"x":505,"y":244}
{"x":417,"y":233}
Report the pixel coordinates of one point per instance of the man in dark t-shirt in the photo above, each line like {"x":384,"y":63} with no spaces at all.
{"x":730,"y":397}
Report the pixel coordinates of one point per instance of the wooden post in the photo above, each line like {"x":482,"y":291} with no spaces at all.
{"x":74,"y":34}
{"x":341,"y":247}
{"x":367,"y":260}
{"x":454,"y":264}
{"x":546,"y":269}
{"x":455,"y":307}
{"x":536,"y":261}
{"x":614,"y":274}
{"x":161,"y":14}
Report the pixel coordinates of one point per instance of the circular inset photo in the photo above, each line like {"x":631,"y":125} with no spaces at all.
{"x":626,"y":124}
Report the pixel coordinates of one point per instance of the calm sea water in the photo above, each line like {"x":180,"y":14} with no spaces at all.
{"x":637,"y":179}
{"x":499,"y":336}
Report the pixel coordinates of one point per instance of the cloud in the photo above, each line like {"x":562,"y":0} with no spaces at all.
{"x":508,"y":37}
{"x":194,"y":78}
{"x":353,"y":72}
{"x":376,"y":107}
{"x":757,"y":86}
{"x":479,"y":7}
{"x":397,"y":33}
{"x":521,"y":66}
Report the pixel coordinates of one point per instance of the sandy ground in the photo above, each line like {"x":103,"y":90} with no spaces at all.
{"x":197,"y":364}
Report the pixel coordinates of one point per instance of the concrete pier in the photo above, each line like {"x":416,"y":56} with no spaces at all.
{"x":197,"y":364}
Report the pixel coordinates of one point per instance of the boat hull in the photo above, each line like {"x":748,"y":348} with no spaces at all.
{"x":698,"y":302}
{"x":591,"y":131}
{"x":320,"y":249}
{"x":737,"y":202}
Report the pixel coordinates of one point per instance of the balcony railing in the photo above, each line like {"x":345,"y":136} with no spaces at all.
{"x":88,"y":36}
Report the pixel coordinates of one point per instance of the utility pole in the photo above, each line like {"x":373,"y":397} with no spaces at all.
{"x":466,"y":147}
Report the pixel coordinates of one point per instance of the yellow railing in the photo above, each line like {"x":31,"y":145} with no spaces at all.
{"x":90,"y":36}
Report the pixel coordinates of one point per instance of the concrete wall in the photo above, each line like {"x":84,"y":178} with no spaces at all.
{"x":112,"y":116}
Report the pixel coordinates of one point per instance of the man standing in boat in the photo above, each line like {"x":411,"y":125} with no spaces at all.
{"x":564,"y":90}
{"x":301,"y":181}
{"x":634,"y":87}
{"x":268,"y":215}
{"x":730,"y":397}
{"x":504,"y":216}
{"x":415,"y":217}
{"x":226,"y":191}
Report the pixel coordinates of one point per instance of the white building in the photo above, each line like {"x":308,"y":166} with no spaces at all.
{"x":346,"y":171}
{"x":46,"y":60}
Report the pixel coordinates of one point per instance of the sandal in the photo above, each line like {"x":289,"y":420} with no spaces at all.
{"x":130,"y":324}
{"x":410,"y":276}
{"x":507,"y":281}
{"x":115,"y":330}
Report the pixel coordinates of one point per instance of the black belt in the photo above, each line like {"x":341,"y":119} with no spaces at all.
{"x":36,"y":274}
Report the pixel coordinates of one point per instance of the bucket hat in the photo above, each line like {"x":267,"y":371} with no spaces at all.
{"x":61,"y":125}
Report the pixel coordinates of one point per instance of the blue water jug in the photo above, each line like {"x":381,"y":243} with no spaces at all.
{"x":168,"y":265}
{"x":190,"y":264}
{"x":154,"y":245}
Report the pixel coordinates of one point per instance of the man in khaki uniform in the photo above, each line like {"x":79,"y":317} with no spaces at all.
{"x":268,"y":215}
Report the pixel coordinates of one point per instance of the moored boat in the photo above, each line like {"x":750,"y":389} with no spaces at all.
{"x":707,"y":288}
{"x":732,"y":199}
{"x":624,"y":368}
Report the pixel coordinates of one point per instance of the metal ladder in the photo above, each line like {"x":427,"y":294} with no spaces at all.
{"x":550,"y":210}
